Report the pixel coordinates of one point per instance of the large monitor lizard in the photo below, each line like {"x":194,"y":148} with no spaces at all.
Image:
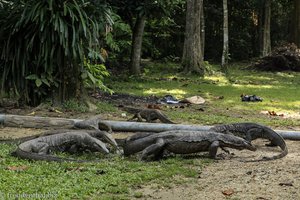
{"x":148,"y":114}
{"x":252,"y":131}
{"x":39,"y":148}
{"x":182,"y":142}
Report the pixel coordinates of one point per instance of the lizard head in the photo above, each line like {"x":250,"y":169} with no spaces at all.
{"x":237,"y":143}
{"x":107,"y":137}
{"x":99,"y":146}
{"x":248,"y":145}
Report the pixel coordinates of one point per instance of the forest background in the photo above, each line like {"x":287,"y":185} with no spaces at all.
{"x":57,"y":49}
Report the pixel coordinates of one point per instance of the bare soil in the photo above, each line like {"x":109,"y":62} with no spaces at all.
{"x":233,"y":179}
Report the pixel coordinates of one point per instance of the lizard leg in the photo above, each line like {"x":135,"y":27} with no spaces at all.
{"x":139,"y":117}
{"x":253,"y":134}
{"x":150,"y":118}
{"x":271,"y":144}
{"x":228,"y":132}
{"x":139,"y":135}
{"x":41,"y":148}
{"x":155,"y":149}
{"x":73,"y":149}
{"x":105,"y":126}
{"x":132,"y":118}
{"x":226,"y":150}
{"x":98,"y":145}
{"x":213,"y":148}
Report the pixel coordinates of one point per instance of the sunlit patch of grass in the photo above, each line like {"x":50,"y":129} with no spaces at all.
{"x":289,"y":75}
{"x":161,"y":92}
{"x":255,"y":86}
{"x":218,"y":79}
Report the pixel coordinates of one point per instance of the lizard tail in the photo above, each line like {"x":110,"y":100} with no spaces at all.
{"x":34,"y":156}
{"x":120,"y":142}
{"x":165,"y":119}
{"x":281,"y":155}
{"x":17,"y":140}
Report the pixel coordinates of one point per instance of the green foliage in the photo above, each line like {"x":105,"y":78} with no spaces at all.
{"x":118,"y":41}
{"x":111,"y":178}
{"x":93,"y":75}
{"x":45,"y":39}
{"x":164,"y":35}
{"x":159,"y":38}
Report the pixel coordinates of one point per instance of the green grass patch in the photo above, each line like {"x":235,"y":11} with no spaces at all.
{"x":279,"y":90}
{"x":106,"y":107}
{"x":75,"y":105}
{"x":112,"y":177}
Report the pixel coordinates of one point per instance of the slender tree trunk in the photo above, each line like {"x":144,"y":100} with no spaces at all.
{"x":260,"y":29}
{"x":192,"y":58}
{"x":296,"y":23}
{"x":136,"y":47}
{"x":266,"y":45}
{"x":202,"y":35}
{"x":225,"y":54}
{"x":255,"y":34}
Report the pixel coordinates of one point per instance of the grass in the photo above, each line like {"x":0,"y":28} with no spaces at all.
{"x":279,"y":90}
{"x":112,"y":178}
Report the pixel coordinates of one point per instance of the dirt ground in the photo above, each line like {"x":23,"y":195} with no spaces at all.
{"x":233,"y":179}
{"x":229,"y":178}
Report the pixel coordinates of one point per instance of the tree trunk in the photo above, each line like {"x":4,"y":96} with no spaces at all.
{"x":192,"y":58}
{"x":255,"y":33}
{"x":266,"y":40}
{"x":70,"y":85}
{"x":225,"y":54}
{"x":260,"y":29}
{"x":296,"y":23}
{"x":136,"y":46}
{"x":202,"y":35}
{"x":62,"y":123}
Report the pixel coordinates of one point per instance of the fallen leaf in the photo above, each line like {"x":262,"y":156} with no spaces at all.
{"x":228,"y":192}
{"x":249,"y":172}
{"x":261,"y":198}
{"x":273,"y":113}
{"x":32,"y":113}
{"x":57,"y":111}
{"x":218,"y":97}
{"x":17,"y":168}
{"x":286,"y":184}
